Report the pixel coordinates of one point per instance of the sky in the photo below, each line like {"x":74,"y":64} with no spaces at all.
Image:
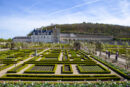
{"x":19,"y":17}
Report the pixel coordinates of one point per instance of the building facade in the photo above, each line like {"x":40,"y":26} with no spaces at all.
{"x":22,"y":39}
{"x":54,"y":35}
{"x":42,"y":35}
{"x":81,"y":37}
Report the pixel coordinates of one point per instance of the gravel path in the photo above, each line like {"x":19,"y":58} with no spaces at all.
{"x":39,"y":59}
{"x":4,"y":49}
{"x":22,"y":71}
{"x":75,"y":71}
{"x":113,"y":57}
{"x":58,"y":69}
{"x":61,"y":56}
{"x":112,"y":72}
{"x":21,"y":62}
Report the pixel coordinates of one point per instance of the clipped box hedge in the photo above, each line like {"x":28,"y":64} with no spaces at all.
{"x":98,"y":69}
{"x":38,"y":77}
{"x":58,"y":62}
{"x":42,"y":72}
{"x":17,"y":68}
{"x":6,"y":66}
{"x":111,"y":67}
{"x":69,"y":71}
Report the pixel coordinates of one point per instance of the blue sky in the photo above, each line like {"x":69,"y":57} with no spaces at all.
{"x":19,"y":17}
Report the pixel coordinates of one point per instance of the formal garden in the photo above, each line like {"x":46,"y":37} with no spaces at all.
{"x":59,"y":65}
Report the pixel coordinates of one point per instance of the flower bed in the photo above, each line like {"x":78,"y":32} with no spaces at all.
{"x":58,"y":84}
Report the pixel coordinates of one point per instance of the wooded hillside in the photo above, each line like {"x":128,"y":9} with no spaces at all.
{"x":91,"y":28}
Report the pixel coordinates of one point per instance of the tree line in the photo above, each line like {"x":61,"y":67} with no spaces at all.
{"x":93,"y":28}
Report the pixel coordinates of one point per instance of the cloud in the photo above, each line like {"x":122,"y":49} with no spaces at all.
{"x":16,"y":25}
{"x":74,"y":7}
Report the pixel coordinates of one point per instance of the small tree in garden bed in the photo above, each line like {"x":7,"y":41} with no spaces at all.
{"x":127,"y":54}
{"x":99,"y":47}
{"x":127,"y":60}
{"x":77,"y":45}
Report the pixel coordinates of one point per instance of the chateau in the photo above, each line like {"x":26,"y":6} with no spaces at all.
{"x":42,"y":35}
{"x":83,"y":37}
{"x":54,"y":35}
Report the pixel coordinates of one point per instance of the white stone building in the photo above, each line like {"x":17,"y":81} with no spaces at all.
{"x":21,"y":39}
{"x":43,"y":35}
{"x":81,"y":37}
{"x":54,"y":35}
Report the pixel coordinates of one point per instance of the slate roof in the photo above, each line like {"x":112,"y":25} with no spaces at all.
{"x":38,"y":32}
{"x":21,"y":37}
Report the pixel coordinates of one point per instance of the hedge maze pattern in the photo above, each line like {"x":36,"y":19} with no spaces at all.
{"x":44,"y":66}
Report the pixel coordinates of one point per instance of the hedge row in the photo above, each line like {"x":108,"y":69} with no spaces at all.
{"x":37,"y":77}
{"x":64,"y":71}
{"x":35,"y":71}
{"x":73,"y":54}
{"x":2,"y":66}
{"x":105,"y":70}
{"x":17,"y":68}
{"x":65,"y":55}
{"x":60,"y":76}
{"x":63,"y":79}
{"x":58,"y":62}
{"x":85,"y":54}
{"x":114,"y":69}
{"x":51,"y":55}
{"x":6,"y":66}
{"x":108,"y":65}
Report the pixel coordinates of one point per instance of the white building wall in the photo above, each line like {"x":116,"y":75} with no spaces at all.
{"x":41,"y":38}
{"x":21,"y":40}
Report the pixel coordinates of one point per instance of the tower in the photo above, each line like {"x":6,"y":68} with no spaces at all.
{"x":56,"y":35}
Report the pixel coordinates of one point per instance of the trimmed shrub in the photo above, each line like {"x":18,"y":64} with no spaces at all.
{"x":49,"y":69}
{"x":67,"y":69}
{"x":114,"y":69}
{"x":17,"y":69}
{"x":37,"y":77}
{"x":92,"y":69}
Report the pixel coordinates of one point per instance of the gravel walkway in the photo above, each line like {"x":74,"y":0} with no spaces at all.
{"x":112,"y":57}
{"x":61,"y":55}
{"x":22,"y":71}
{"x":75,"y":71}
{"x":112,"y":72}
{"x":21,"y":62}
{"x":58,"y":69}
